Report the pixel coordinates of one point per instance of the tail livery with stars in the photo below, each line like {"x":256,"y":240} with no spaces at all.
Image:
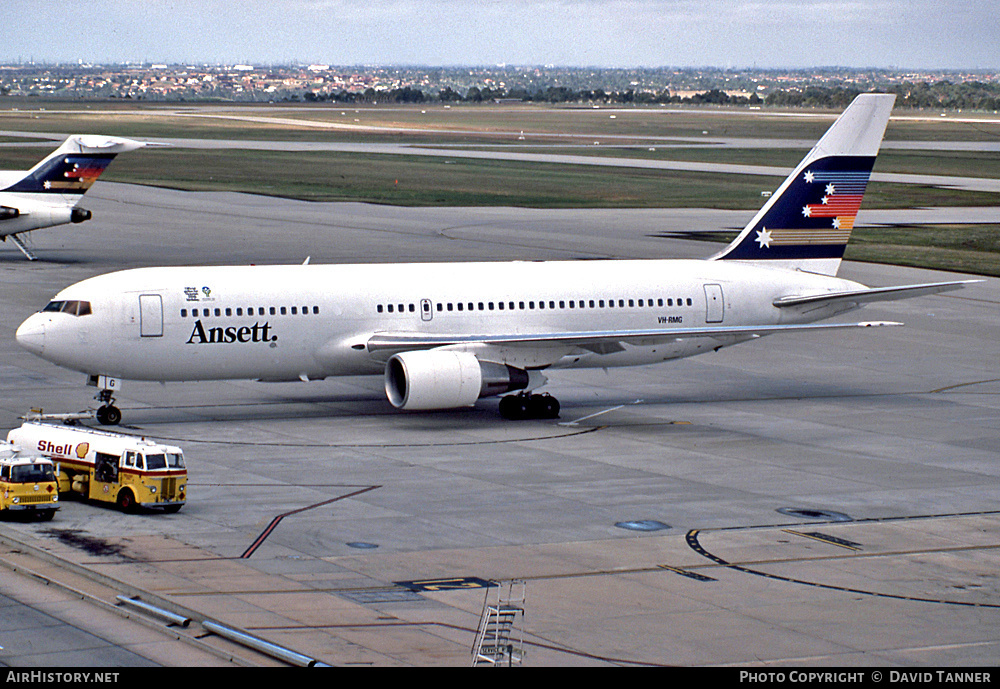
{"x":48,"y":194}
{"x":444,"y":336}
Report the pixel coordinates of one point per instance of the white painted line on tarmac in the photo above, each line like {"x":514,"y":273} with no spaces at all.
{"x":590,"y":416}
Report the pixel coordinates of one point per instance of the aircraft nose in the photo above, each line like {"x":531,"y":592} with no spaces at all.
{"x":31,"y":335}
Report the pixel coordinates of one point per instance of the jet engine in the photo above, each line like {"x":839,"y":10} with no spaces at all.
{"x":442,"y":379}
{"x":80,"y":215}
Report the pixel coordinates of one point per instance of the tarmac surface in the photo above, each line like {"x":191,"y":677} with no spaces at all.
{"x":801,"y":500}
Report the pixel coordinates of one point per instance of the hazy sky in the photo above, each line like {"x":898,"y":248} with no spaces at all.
{"x":955,"y":34}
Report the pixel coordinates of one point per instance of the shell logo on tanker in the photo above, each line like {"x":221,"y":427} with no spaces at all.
{"x":66,"y":450}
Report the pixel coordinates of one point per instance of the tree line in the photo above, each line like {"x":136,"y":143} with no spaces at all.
{"x":969,"y":95}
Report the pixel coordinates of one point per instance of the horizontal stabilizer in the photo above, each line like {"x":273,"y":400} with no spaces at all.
{"x":874,"y":294}
{"x":88,"y":143}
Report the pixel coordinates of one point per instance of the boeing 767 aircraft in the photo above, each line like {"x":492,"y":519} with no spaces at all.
{"x":444,"y":336}
{"x":48,"y":194}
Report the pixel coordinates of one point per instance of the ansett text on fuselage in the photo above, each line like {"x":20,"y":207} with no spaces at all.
{"x":219,"y":335}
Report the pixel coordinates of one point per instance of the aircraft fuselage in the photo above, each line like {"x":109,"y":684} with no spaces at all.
{"x":313,"y":321}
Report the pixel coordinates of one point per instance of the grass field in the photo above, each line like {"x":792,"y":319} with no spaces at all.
{"x":958,"y":248}
{"x":423,"y":180}
{"x":500,"y":124}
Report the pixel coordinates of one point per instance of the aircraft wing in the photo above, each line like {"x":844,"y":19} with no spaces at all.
{"x":599,"y":341}
{"x":873,"y":294}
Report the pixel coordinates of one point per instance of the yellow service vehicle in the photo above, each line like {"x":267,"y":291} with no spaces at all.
{"x":109,"y":467}
{"x":27,"y":483}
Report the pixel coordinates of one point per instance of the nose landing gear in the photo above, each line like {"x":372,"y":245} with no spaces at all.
{"x":528,"y":406}
{"x":107,"y":414}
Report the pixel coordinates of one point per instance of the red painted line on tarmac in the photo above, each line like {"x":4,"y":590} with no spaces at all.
{"x":277,"y":520}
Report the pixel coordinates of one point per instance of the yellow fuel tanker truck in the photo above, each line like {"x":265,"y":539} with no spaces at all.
{"x":109,"y":467}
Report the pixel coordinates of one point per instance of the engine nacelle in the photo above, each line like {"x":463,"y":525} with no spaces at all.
{"x":33,"y":217}
{"x":442,"y":379}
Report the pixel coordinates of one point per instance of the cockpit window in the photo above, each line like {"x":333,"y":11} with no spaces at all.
{"x":74,"y":307}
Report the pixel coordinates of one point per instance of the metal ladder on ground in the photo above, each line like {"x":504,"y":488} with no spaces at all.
{"x":500,"y":640}
{"x":19,"y":243}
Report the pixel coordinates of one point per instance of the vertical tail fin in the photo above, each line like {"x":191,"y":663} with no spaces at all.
{"x":805,"y":225}
{"x":72,"y":168}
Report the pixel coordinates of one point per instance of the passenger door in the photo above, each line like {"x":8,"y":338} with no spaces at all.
{"x":150,"y":315}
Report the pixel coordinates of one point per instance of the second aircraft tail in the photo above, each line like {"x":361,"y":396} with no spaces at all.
{"x":72,"y":168}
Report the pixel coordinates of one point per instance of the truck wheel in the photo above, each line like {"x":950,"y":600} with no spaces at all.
{"x":126,"y":501}
{"x":46,"y":515}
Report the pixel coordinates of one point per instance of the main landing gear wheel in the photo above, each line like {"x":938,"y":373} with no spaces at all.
{"x":527,"y":406}
{"x":109,"y":415}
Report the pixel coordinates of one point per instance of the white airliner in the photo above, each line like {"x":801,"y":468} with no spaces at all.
{"x":446,"y":335}
{"x":47,"y":194}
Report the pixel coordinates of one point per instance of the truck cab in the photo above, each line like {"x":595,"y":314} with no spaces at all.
{"x":27,"y":484}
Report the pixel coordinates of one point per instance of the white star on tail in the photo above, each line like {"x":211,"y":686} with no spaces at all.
{"x":763,"y":238}
{"x":810,"y":176}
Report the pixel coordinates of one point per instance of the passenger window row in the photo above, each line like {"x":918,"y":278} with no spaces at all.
{"x":552,"y":305}
{"x":252,"y":310}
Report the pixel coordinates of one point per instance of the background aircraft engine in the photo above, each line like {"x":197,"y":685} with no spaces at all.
{"x":438,"y":379}
{"x":80,"y":215}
